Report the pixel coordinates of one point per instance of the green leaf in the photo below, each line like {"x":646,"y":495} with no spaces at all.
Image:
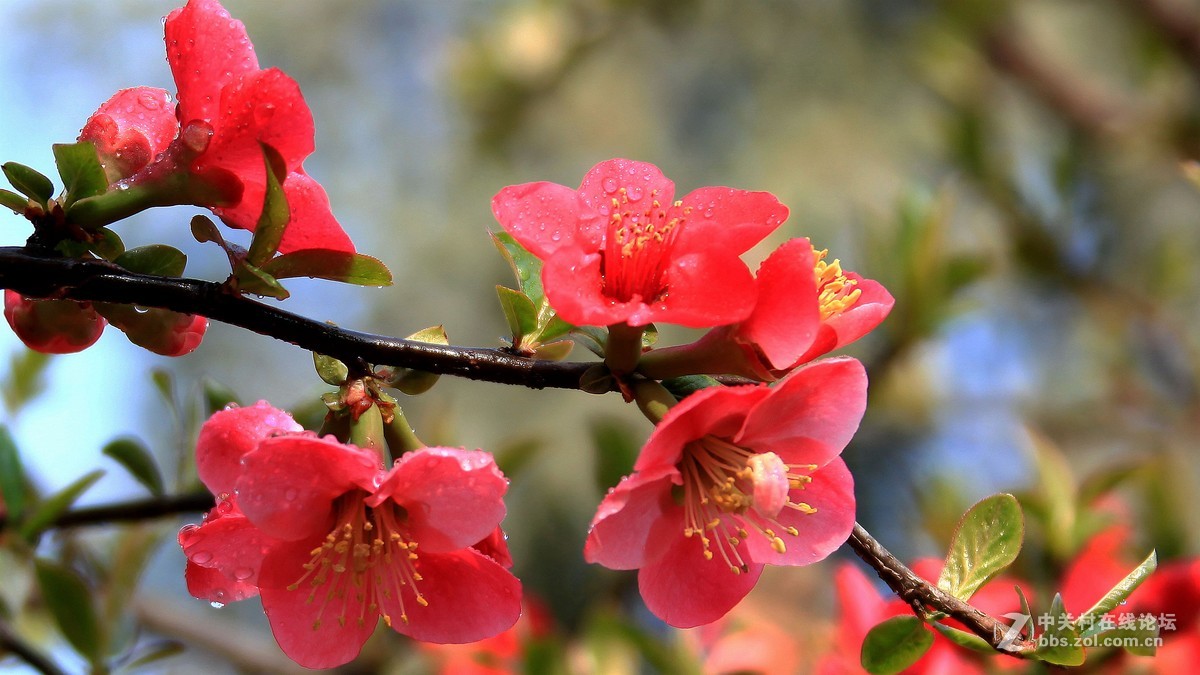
{"x":205,"y":230}
{"x":251,"y":279}
{"x":157,"y":259}
{"x":519,"y":312}
{"x":682,"y":387}
{"x":106,"y":244}
{"x":964,"y":639}
{"x":165,"y":384}
{"x":1026,"y":611}
{"x":330,"y":370}
{"x":156,"y":652}
{"x":134,"y":548}
{"x":70,"y":603}
{"x":52,"y":507}
{"x":29,"y":182}
{"x":550,"y":326}
{"x":1119,"y":593}
{"x":526,"y":266}
{"x":318,"y":263}
{"x":14,"y":201}
{"x":987,"y":541}
{"x":80,"y":169}
{"x":216,"y":397}
{"x":138,"y":461}
{"x":275,"y":215}
{"x":616,"y":449}
{"x":1060,"y":644}
{"x":1138,"y":641}
{"x":12,"y":477}
{"x":894,"y":645}
{"x":26,"y":378}
{"x":593,"y":338}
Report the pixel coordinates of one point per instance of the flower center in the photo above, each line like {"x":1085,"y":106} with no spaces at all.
{"x":836,"y":292}
{"x":364,"y":559}
{"x":731,"y":491}
{"x":638,"y":244}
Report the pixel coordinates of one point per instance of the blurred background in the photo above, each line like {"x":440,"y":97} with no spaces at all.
{"x":1016,"y":173}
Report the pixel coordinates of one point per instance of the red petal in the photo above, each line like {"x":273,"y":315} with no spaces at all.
{"x":288,"y":483}
{"x":730,"y":220}
{"x":681,"y":587}
{"x":52,"y":326}
{"x":641,"y":182}
{"x":470,"y":597}
{"x":495,"y":546}
{"x":207,"y":50}
{"x":158,"y":330}
{"x":787,"y":313}
{"x":131,"y":129}
{"x":320,"y":632}
{"x":871,"y":308}
{"x":831,"y":492}
{"x":542,"y":216}
{"x":312,"y":224}
{"x":619,"y":534}
{"x":715,"y":411}
{"x":228,"y":552}
{"x":705,"y":289}
{"x":811,"y":414}
{"x":453,"y":497}
{"x":573,"y":286}
{"x":231,"y":433}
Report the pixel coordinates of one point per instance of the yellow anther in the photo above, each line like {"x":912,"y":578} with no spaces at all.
{"x":778,"y":545}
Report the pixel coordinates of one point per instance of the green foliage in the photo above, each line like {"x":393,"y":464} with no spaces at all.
{"x":330,"y":370}
{"x":348,"y":268}
{"x":69,"y":600}
{"x":894,"y":645}
{"x":531,"y":319}
{"x":1060,"y":643}
{"x":28,"y":182}
{"x":275,"y":215}
{"x":987,"y":541}
{"x":138,"y":461}
{"x":156,"y":259}
{"x":12,"y":477}
{"x":1118,"y":594}
{"x":46,"y":511}
{"x":80,"y":169}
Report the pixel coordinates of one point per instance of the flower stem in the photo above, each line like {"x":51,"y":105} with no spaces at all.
{"x":400,"y":435}
{"x":367,"y":431}
{"x":623,"y":349}
{"x":653,"y":399}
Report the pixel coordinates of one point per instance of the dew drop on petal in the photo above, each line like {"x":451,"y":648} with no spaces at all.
{"x":216,"y":605}
{"x":634,"y":193}
{"x":610,"y":185}
{"x":243,"y":573}
{"x":290,"y":494}
{"x":201,"y":557}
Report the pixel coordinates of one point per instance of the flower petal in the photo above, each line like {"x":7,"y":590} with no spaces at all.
{"x":715,"y":411}
{"x":207,"y":49}
{"x":231,"y":433}
{"x":619,"y":534}
{"x":288,"y":483}
{"x":574,"y":286}
{"x":227,"y":552}
{"x":681,"y":587}
{"x":314,"y":625}
{"x":811,"y":414}
{"x":312,"y":224}
{"x":131,"y":129}
{"x":831,"y":493}
{"x":453,"y":497}
{"x":787,"y":313}
{"x":542,"y":216}
{"x":52,"y":326}
{"x":634,"y":185}
{"x":469,"y":597}
{"x":871,"y":308}
{"x":730,"y":219}
{"x":705,"y":289}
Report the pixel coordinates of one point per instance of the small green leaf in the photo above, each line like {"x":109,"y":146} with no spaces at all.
{"x":434,"y":335}
{"x":29,"y":182}
{"x":554,"y":351}
{"x":1026,"y":611}
{"x":964,"y":639}
{"x":330,"y":369}
{"x":80,"y":169}
{"x":138,"y":461}
{"x":251,"y":279}
{"x":14,"y":201}
{"x":1060,"y":644}
{"x":275,"y":215}
{"x":70,"y":603}
{"x":348,"y":268}
{"x":593,"y":338}
{"x":205,"y":230}
{"x":134,"y":547}
{"x":519,"y":312}
{"x":155,"y":652}
{"x":52,"y":507}
{"x":987,"y":540}
{"x":1120,"y":592}
{"x":682,"y":387}
{"x":894,"y":645}
{"x":12,"y":477}
{"x":26,"y":378}
{"x":157,"y":259}
{"x":550,"y":326}
{"x":106,"y":244}
{"x":1138,"y":641}
{"x":526,"y":266}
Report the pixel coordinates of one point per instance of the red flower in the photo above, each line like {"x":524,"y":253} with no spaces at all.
{"x":621,"y":250}
{"x":66,"y":326}
{"x":52,"y":326}
{"x":806,"y":307}
{"x":332,"y":541}
{"x":734,"y":478}
{"x":227,"y":107}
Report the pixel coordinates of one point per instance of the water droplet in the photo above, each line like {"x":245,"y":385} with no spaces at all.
{"x":201,"y":557}
{"x":610,"y":185}
{"x":708,"y":213}
{"x":556,"y":236}
{"x":634,"y":193}
{"x":196,"y":135}
{"x":216,"y":605}
{"x":290,"y":494}
{"x":243,"y":573}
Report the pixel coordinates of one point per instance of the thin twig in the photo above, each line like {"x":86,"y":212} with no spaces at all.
{"x":77,"y":279}
{"x":138,"y":510}
{"x":14,"y":644}
{"x":920,"y":595}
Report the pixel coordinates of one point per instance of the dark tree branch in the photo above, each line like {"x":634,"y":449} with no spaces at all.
{"x":13,"y":644}
{"x":922,"y":595}
{"x":76,"y":279}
